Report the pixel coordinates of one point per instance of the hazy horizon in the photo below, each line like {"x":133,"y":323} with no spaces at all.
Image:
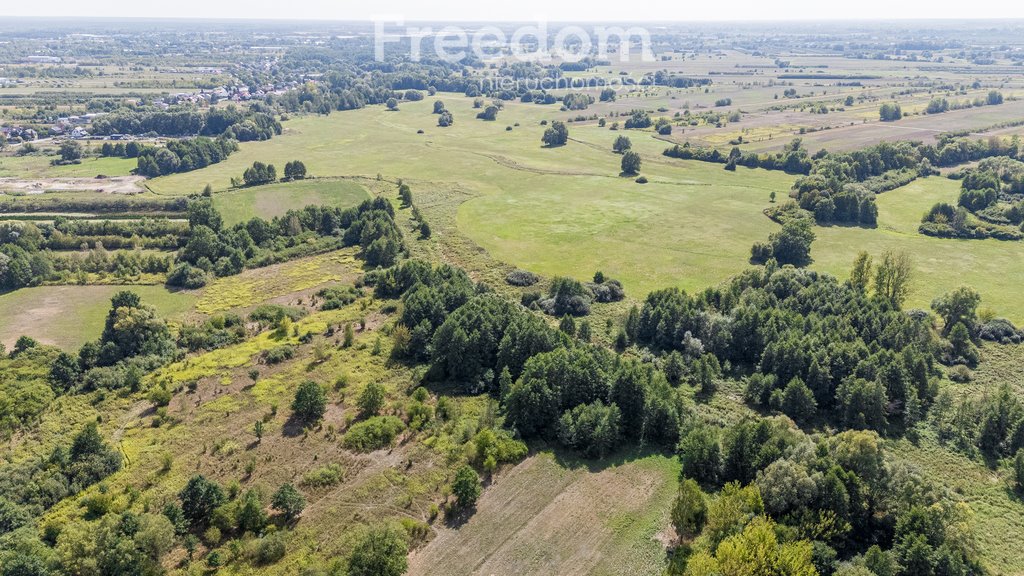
{"x":664,"y":11}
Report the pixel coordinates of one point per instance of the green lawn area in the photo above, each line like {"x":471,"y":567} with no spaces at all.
{"x":566,"y":210}
{"x":275,"y":199}
{"x":34,"y":166}
{"x":69,"y":316}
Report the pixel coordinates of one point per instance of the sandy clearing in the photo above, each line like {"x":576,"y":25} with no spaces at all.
{"x":112,"y":185}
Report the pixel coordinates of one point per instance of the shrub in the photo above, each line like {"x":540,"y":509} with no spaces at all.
{"x":521,"y":278}
{"x":338,"y":297}
{"x":760,"y":252}
{"x":270,"y":549}
{"x":373,"y":434}
{"x":371,"y":400}
{"x":323,"y":477}
{"x":279,"y":354}
{"x":960,"y":373}
{"x":186,"y":276}
{"x":271,"y":314}
{"x":381,"y":551}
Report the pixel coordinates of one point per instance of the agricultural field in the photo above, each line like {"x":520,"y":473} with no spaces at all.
{"x":554,"y":529}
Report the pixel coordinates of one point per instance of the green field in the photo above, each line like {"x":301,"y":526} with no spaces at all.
{"x":35,"y":166}
{"x":566,"y":211}
{"x":275,"y":199}
{"x":69,"y":316}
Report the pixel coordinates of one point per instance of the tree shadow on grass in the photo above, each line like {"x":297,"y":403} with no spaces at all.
{"x":572,"y":460}
{"x":295,"y":426}
{"x":457,"y":517}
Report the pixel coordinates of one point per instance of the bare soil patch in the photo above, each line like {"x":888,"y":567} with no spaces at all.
{"x":111,"y":185}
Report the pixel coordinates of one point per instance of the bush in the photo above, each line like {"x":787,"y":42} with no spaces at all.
{"x":279,"y":354}
{"x":323,"y":477}
{"x":271,"y":314}
{"x":960,"y":373}
{"x":270,"y":549}
{"x":186,"y":276}
{"x":373,"y":434}
{"x":1000,"y":330}
{"x":521,"y":278}
{"x":760,"y":252}
{"x":566,"y":296}
{"x":338,"y":297}
{"x":381,"y":551}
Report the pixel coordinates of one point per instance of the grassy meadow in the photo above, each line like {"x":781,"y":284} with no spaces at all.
{"x":275,"y":199}
{"x":69,"y":316}
{"x":566,"y":211}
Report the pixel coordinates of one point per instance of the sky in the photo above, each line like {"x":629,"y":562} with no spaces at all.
{"x":522,"y":10}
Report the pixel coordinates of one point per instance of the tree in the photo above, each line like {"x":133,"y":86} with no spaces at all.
{"x":371,"y":400}
{"x":700,"y":454}
{"x":199,"y":498}
{"x":23,"y":564}
{"x":892,"y":277}
{"x":445,"y":119}
{"x":288,"y":501}
{"x":963,"y":348}
{"x":438,"y":107}
{"x":405,"y":193}
{"x":755,"y":550}
{"x":310,"y":402}
{"x":792,"y":244}
{"x":556,"y":135}
{"x":594,"y":429}
{"x":879,"y":561}
{"x":257,"y":430}
{"x":1018,"y":470}
{"x":466,"y":487}
{"x":889,"y":112}
{"x":798,"y":401}
{"x":621,"y":144}
{"x":490,"y":113}
{"x":295,"y":170}
{"x":70,"y":151}
{"x":630,"y":163}
{"x":65,"y":371}
{"x":392,"y":104}
{"x":250,"y":515}
{"x":957,"y":306}
{"x":381,"y":551}
{"x":259,"y":173}
{"x":860,"y":276}
{"x":690,"y":510}
{"x":349,"y":337}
